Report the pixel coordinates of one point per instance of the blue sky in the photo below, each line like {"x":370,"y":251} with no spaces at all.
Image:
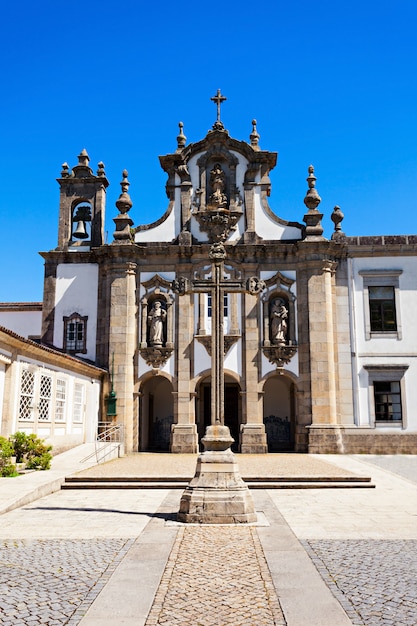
{"x":330,"y":83}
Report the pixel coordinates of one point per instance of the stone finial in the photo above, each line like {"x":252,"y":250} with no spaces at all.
{"x":337,"y":218}
{"x":83,"y":158}
{"x":65,"y":170}
{"x":254,"y":136}
{"x":100,"y":171}
{"x":123,"y":222}
{"x":312,"y":199}
{"x":124,"y":203}
{"x":312,"y":218}
{"x":181,"y":138}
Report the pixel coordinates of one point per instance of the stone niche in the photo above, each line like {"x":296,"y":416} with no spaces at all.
{"x":217,"y":203}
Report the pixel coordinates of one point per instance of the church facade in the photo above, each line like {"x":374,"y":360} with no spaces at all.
{"x":320,"y":347}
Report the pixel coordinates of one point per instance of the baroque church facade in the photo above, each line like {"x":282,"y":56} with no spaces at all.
{"x":320,"y":346}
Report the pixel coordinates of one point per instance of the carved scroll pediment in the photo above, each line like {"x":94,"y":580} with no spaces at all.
{"x":157,"y":282}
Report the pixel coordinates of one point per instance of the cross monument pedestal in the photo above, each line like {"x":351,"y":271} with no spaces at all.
{"x":217,"y":493}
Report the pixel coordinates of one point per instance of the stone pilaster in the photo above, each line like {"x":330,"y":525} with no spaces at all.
{"x":122,"y":344}
{"x":322,"y":364}
{"x":252,"y":430}
{"x":48,"y":308}
{"x":184,"y":438}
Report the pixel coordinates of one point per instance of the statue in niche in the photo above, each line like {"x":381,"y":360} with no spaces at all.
{"x":156,"y":320}
{"x":218,"y":198}
{"x":279,"y":322}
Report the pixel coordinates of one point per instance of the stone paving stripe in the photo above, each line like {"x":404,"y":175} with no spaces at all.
{"x":216,"y":576}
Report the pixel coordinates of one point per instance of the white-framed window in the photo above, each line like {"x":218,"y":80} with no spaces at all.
{"x":79,"y":402}
{"x":387,"y":394}
{"x":381,"y":303}
{"x":45,"y":396}
{"x":60,"y":399}
{"x":225,"y":306}
{"x":27,"y":394}
{"x":75,"y":333}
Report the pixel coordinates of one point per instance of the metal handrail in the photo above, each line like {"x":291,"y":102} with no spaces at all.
{"x":112,"y":437}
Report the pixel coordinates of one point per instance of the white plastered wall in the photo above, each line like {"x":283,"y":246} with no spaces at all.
{"x":23,"y":323}
{"x":379,"y":351}
{"x":76,"y":292}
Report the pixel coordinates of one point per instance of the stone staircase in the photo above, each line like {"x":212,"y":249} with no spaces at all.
{"x":180,"y":482}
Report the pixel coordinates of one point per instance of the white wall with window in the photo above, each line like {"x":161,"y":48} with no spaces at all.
{"x":56,"y":404}
{"x":383,"y":302}
{"x":75,"y":325}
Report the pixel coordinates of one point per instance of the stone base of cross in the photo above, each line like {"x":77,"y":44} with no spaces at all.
{"x":217,"y":493}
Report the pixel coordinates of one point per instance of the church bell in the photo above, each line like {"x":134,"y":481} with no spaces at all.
{"x":80,"y":231}
{"x":82,"y":215}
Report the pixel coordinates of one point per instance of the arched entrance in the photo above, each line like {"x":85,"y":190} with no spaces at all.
{"x":156,"y":415}
{"x":232,"y":407}
{"x":279,"y":413}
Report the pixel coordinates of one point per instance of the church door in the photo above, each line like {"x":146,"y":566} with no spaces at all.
{"x":156,"y":416}
{"x":279,"y":413}
{"x":231,"y":410}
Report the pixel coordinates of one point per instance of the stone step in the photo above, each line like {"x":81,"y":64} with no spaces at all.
{"x":77,"y":482}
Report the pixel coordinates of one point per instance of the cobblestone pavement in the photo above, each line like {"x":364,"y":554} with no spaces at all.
{"x":49,"y":582}
{"x":200,"y":586}
{"x":375,"y":581}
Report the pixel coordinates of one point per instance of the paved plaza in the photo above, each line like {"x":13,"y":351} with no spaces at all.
{"x":328,"y":557}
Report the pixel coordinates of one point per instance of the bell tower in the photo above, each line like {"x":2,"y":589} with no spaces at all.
{"x":81,"y":205}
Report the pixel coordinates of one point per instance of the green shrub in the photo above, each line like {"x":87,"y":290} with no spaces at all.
{"x":31,"y":450}
{"x":7,"y":468}
{"x":19,"y":442}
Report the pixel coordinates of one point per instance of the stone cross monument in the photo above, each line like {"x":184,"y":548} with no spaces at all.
{"x":217,"y":493}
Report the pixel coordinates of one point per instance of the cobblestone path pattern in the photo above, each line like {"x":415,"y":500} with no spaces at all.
{"x":216,"y":576}
{"x":53,"y":582}
{"x":375,"y":581}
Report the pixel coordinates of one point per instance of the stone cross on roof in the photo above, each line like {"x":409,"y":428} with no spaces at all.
{"x":218,"y":99}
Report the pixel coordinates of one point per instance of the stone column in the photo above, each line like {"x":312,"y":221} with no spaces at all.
{"x":122,"y":344}
{"x":252,"y":430}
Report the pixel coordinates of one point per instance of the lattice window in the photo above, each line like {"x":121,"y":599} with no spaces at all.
{"x":60,"y":399}
{"x":45,"y":394}
{"x":79,"y":393}
{"x":27,"y":391}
